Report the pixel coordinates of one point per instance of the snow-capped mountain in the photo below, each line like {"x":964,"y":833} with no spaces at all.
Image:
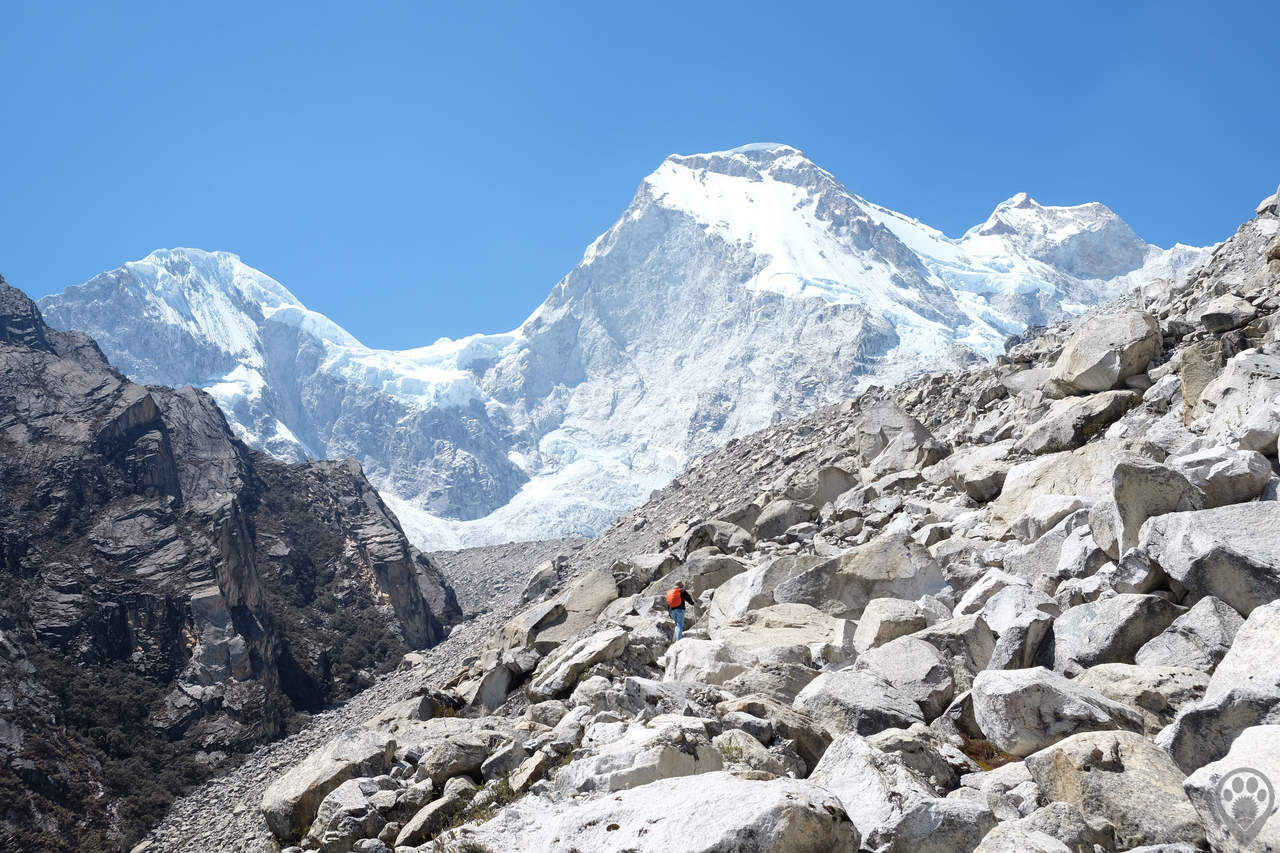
{"x":738,"y":288}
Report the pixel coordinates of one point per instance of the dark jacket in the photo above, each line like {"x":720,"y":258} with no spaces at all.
{"x":684,"y":599}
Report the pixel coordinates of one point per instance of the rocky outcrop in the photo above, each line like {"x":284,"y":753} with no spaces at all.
{"x":178,"y":597}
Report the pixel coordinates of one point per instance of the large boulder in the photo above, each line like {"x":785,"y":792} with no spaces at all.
{"x":1023,"y":711}
{"x":1226,"y":312}
{"x":875,"y":787}
{"x":753,"y":588}
{"x":1143,"y":489}
{"x":809,"y":736}
{"x":885,"y":619}
{"x":890,"y":566}
{"x":1084,"y":472}
{"x":1156,"y":692}
{"x":1123,"y":778}
{"x":780,"y":626}
{"x":709,"y":813}
{"x":917,"y":669}
{"x":706,"y":661}
{"x":1231,"y":552}
{"x":699,"y":573}
{"x":1249,"y":381}
{"x":967,"y":643}
{"x":1042,"y":514}
{"x":1198,"y":638}
{"x":857,"y":700}
{"x":1106,"y":349}
{"x":978,"y":471}
{"x":1110,"y":630}
{"x":1072,"y":421}
{"x":1225,"y":475}
{"x":780,"y":515}
{"x":1055,"y":828}
{"x":941,"y":826}
{"x":582,"y":602}
{"x":667,"y":746}
{"x":346,"y":815}
{"x":1243,"y":784}
{"x":559,"y":672}
{"x":289,"y":804}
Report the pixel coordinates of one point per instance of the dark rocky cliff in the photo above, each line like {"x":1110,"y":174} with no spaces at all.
{"x":168,"y":597}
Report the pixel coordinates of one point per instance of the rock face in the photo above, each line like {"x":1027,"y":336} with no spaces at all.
{"x":151,"y":558}
{"x":814,"y":290}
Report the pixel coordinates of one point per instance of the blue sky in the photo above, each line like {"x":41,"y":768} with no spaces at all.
{"x":419,"y":169}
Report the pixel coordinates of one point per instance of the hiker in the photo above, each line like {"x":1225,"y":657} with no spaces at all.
{"x":677,"y":598}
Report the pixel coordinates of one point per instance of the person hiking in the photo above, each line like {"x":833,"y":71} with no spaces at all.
{"x":677,"y":598}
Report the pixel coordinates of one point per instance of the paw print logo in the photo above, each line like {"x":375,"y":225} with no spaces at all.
{"x":1246,"y":800}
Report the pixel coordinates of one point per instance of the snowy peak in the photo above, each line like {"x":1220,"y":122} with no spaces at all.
{"x":738,"y":288}
{"x":1086,"y":241}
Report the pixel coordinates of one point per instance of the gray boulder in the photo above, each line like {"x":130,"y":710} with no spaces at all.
{"x":1226,"y":312}
{"x":1226,"y":475}
{"x":1143,"y":489}
{"x":1156,"y":692}
{"x":687,"y":814}
{"x":1042,"y":514}
{"x":1106,"y":349}
{"x":1022,"y":711}
{"x":1071,"y":422}
{"x":885,"y":619}
{"x":979,"y":471}
{"x":1110,"y":630}
{"x":876,"y":788}
{"x":289,"y":804}
{"x":1055,"y":828}
{"x":781,"y":514}
{"x":1231,"y":552}
{"x":857,"y":700}
{"x":917,"y":669}
{"x":941,"y":826}
{"x":1122,"y":778}
{"x":559,"y":672}
{"x":1198,"y":638}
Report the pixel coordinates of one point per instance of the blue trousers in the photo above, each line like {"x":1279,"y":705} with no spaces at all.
{"x":677,"y":613}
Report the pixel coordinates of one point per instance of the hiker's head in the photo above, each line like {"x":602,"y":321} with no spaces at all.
{"x":679,"y":584}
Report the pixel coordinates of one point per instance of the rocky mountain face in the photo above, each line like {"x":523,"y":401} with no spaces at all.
{"x":169,"y":597}
{"x":1031,"y":605}
{"x":737,"y":289}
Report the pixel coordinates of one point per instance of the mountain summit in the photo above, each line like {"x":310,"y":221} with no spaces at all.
{"x":738,"y":288}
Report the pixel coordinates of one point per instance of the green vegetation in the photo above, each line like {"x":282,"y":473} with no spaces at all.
{"x":104,"y":724}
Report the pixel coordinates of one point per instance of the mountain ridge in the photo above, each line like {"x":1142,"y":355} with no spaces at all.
{"x":737,"y":288}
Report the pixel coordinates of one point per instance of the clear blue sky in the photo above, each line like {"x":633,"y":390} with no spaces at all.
{"x":420,"y":169}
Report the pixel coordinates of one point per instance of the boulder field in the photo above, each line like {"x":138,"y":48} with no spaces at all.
{"x":1029,"y":606}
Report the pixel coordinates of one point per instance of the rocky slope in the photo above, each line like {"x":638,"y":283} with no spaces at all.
{"x":168,"y":597}
{"x":1030,"y":606}
{"x":737,"y":289}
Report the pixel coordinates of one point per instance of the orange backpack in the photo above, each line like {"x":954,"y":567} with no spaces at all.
{"x":675,"y":598}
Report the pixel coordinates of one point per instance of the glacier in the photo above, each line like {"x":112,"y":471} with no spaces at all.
{"x":738,"y":288}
